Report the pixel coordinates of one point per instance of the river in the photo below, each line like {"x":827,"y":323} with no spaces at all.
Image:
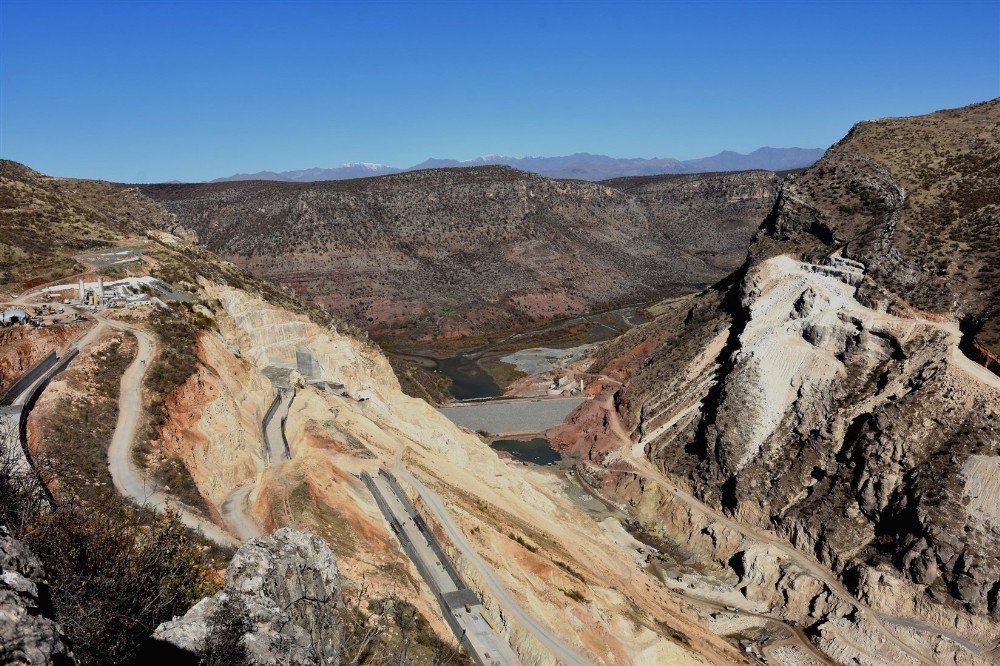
{"x":470,"y":380}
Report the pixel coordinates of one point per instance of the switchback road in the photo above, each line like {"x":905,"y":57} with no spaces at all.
{"x":128,"y":480}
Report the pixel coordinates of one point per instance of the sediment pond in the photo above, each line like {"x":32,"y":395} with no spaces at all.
{"x":535,"y":451}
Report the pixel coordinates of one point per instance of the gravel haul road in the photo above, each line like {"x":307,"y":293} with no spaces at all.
{"x":127,"y":478}
{"x":642,"y":468}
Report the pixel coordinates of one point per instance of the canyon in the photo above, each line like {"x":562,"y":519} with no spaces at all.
{"x":792,"y":457}
{"x":575,"y":576}
{"x":472,"y":254}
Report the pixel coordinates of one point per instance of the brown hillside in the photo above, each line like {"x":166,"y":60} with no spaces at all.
{"x":839,"y":404}
{"x":467,"y":252}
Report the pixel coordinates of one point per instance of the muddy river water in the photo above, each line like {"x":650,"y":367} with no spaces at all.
{"x":470,"y":380}
{"x":535,"y":450}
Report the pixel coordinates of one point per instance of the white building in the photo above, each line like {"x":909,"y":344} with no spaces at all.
{"x":9,"y":317}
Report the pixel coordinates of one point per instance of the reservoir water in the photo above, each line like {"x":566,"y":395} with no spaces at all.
{"x":468,"y":378}
{"x":535,"y":451}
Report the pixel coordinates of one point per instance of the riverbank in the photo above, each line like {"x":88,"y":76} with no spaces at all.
{"x":443,"y":373}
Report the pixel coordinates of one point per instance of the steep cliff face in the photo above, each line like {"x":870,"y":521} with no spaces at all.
{"x":822,"y":394}
{"x":28,"y":632}
{"x":470,"y":252}
{"x":282,"y":600}
{"x":829,"y":409}
{"x":917,"y":200}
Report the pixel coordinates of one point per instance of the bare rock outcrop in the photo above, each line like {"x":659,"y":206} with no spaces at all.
{"x":28,"y":633}
{"x":288,"y":586}
{"x":824,"y":396}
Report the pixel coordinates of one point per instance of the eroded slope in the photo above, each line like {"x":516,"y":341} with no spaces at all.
{"x":579,"y":578}
{"x":822,"y":395}
{"x":476,"y":251}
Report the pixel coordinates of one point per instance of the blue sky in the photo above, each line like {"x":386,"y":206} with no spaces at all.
{"x":194,"y":90}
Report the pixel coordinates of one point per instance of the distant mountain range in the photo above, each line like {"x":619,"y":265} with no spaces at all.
{"x":581,"y":166}
{"x":342,"y":172}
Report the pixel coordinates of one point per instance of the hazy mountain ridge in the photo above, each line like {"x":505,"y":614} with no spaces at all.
{"x":581,"y":166}
{"x":342,"y":172}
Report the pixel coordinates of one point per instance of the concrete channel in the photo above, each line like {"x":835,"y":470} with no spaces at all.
{"x":275,"y":444}
{"x":462,"y":608}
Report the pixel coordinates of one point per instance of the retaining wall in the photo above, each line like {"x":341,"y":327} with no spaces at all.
{"x":22,"y":427}
{"x":29,"y":378}
{"x":427,"y":531}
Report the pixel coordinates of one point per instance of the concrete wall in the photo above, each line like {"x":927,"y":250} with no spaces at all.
{"x":29,"y":404}
{"x":29,"y":378}
{"x":426,"y":530}
{"x":410,"y":551}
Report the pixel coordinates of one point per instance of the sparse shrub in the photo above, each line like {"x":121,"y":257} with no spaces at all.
{"x":568,"y":569}
{"x":175,"y":359}
{"x":113,"y":578}
{"x":76,"y":431}
{"x":525,"y":544}
{"x":114,"y":573}
{"x":382,"y":630}
{"x":174,"y":474}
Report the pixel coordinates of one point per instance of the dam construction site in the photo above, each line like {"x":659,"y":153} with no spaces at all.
{"x":473,"y":414}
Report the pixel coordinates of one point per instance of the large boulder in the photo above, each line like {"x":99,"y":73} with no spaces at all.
{"x":28,"y":632}
{"x":287,"y":585}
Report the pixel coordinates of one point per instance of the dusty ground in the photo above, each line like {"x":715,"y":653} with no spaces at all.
{"x":584,"y":579}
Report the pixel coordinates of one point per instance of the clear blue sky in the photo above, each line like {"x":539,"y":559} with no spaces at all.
{"x":194,"y":90}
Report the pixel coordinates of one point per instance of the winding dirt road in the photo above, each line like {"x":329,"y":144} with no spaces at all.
{"x":128,"y":480}
{"x":234,"y":511}
{"x":644,"y":469}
